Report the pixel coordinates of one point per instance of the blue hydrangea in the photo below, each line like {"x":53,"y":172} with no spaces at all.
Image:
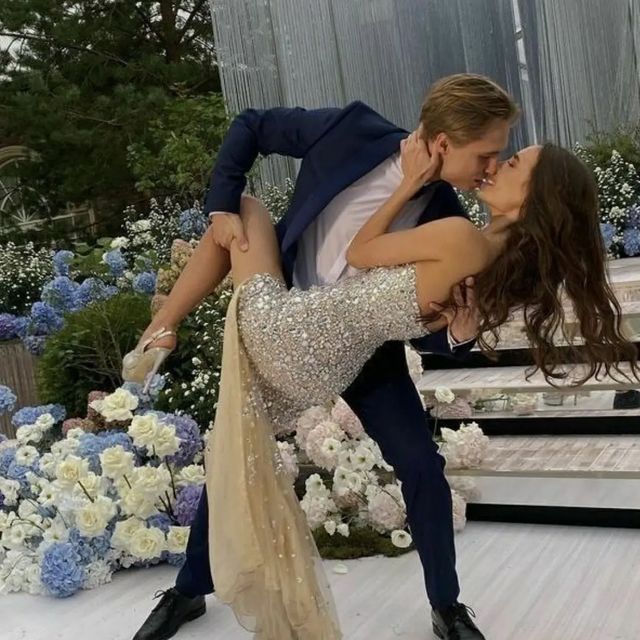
{"x":192,"y":224}
{"x":145,"y":400}
{"x":28,"y":415}
{"x":22,"y":326}
{"x":7,"y":457}
{"x":44,"y":319}
{"x":115,"y":261}
{"x":92,"y":290}
{"x":19,"y":472}
{"x":160,"y":520}
{"x":633,"y":216}
{"x":8,"y":326}
{"x":608,"y":232}
{"x":62,"y":572}
{"x":187,"y":504}
{"x":631,"y":242}
{"x":89,"y":549}
{"x":35,"y":344}
{"x":176,"y":559}
{"x":7,"y":399}
{"x":61,"y":261}
{"x":189,"y":433}
{"x":145,"y":283}
{"x":60,"y":293}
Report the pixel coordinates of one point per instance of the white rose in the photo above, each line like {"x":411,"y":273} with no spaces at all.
{"x":116,"y":406}
{"x":26,"y":455}
{"x":177,"y":539}
{"x":192,"y":475}
{"x":119,"y":243}
{"x":116,"y":462}
{"x":90,"y":520}
{"x":400,"y":539}
{"x":29,"y":433}
{"x":144,"y":430}
{"x":136,"y":503}
{"x":10,"y":489}
{"x":75,"y":433}
{"x":45,"y":421}
{"x":166,"y":442}
{"x":147,"y":544}
{"x":443,"y":394}
{"x":91,"y":484}
{"x":152,"y":481}
{"x":26,"y":509}
{"x":48,"y":464}
{"x":330,"y":527}
{"x":70,"y":470}
{"x":65,"y":447}
{"x":343,"y":529}
{"x":124,"y":530}
{"x":47,"y":496}
{"x":106,"y":506}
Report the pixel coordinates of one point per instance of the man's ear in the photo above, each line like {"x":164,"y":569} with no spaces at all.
{"x":441,"y":144}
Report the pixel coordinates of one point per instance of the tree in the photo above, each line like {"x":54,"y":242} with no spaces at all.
{"x":81,"y":81}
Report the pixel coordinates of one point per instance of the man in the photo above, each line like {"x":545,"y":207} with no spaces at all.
{"x":350,"y":166}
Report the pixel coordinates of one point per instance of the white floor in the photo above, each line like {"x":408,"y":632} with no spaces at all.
{"x":524,"y":582}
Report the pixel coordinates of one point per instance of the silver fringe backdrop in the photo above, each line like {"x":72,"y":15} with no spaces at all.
{"x":570,"y":64}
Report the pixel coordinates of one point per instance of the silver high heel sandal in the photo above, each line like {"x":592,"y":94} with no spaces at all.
{"x":140,"y":364}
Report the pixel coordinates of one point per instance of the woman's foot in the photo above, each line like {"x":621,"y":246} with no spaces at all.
{"x":155,"y":345}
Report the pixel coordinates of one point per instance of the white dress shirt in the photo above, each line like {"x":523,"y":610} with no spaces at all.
{"x":322,"y":249}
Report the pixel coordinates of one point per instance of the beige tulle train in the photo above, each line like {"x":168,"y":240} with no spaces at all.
{"x":264,"y":560}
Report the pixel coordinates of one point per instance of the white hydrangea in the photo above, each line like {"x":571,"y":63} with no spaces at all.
{"x":315,"y":444}
{"x":387,"y":510}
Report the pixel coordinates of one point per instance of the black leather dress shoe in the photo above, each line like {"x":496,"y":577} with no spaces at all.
{"x":170,"y":614}
{"x":454,"y":623}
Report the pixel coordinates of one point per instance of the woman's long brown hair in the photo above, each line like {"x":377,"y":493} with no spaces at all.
{"x":556,"y":246}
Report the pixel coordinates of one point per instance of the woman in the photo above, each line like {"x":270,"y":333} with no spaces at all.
{"x":286,"y":350}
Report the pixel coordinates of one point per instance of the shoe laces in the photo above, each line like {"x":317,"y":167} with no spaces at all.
{"x":465,"y":609}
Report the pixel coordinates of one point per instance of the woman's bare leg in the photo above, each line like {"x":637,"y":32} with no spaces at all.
{"x":210,"y":263}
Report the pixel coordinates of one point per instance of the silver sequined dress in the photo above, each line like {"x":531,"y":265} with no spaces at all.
{"x":307,"y":346}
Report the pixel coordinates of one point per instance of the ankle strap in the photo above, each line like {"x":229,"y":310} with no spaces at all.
{"x":156,"y":335}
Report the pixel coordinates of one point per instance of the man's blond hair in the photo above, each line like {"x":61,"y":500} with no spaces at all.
{"x":464,"y":106}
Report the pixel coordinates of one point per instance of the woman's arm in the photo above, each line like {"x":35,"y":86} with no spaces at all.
{"x":373,"y":246}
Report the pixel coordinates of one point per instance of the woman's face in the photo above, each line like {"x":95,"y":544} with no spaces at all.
{"x":504,"y":193}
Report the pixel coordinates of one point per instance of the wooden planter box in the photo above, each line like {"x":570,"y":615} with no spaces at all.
{"x":17,"y":371}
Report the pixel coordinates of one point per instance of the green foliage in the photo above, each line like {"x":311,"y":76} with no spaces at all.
{"x":86,"y":354}
{"x":80,"y":80}
{"x":362,"y":542}
{"x":625,"y":139}
{"x":179,"y":150}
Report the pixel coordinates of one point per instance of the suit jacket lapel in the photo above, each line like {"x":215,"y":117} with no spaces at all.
{"x":367,"y":158}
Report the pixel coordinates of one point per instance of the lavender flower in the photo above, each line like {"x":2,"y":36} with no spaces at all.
{"x":7,"y":458}
{"x":145,"y":283}
{"x":62,"y":572}
{"x":187,"y":504}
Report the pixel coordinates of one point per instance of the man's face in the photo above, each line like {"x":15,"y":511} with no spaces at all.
{"x":465,"y":166}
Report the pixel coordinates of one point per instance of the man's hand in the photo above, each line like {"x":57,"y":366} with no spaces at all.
{"x":227,"y":227}
{"x":463,"y":321}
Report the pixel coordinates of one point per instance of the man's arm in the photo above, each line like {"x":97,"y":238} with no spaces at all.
{"x":286,"y":131}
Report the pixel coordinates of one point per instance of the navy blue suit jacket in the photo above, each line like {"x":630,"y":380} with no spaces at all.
{"x":337,"y":147}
